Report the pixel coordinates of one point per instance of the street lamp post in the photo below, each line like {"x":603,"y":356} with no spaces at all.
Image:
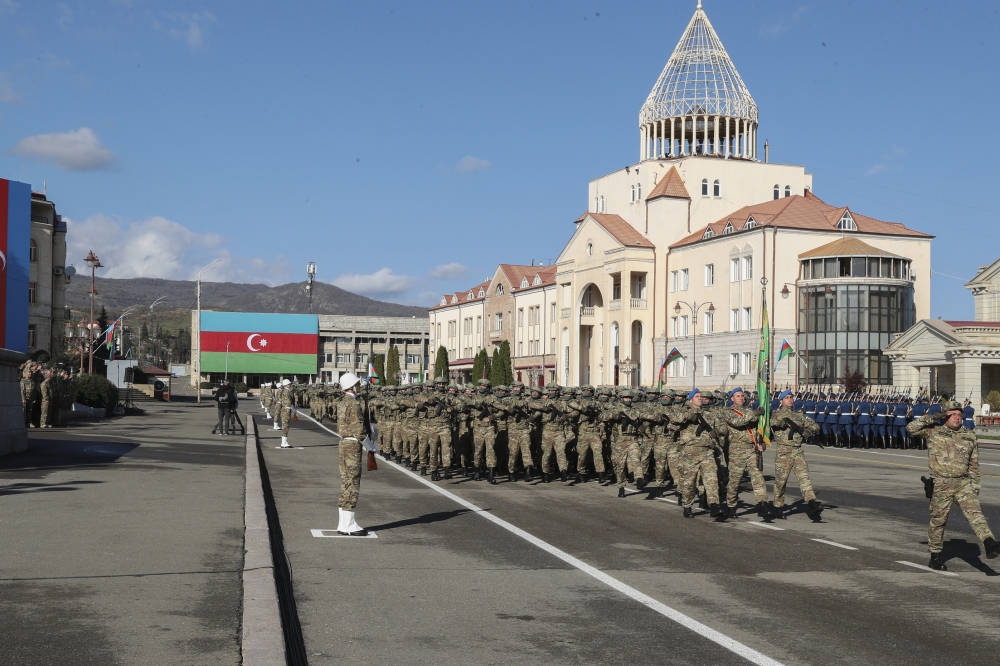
{"x":152,"y":328}
{"x":197,"y":358}
{"x":628,"y":367}
{"x":94,"y":264}
{"x":311,"y":272}
{"x":694,"y":308}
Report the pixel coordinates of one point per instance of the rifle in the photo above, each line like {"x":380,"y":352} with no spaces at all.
{"x":639,"y":428}
{"x":369,"y":430}
{"x":796,"y":428}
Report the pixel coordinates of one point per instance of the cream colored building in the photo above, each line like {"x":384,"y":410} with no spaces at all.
{"x":47,"y":278}
{"x":957,"y":358}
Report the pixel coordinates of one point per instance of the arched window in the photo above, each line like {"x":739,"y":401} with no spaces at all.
{"x":590,"y":249}
{"x":33,"y":251}
{"x":777,"y":191}
{"x":704,"y":187}
{"x":846,"y":222}
{"x":499,"y":290}
{"x":597,"y":204}
{"x":788,"y":190}
{"x":717,"y":189}
{"x":633,"y":193}
{"x":482,"y":293}
{"x":602,"y":204}
{"x":470,"y":296}
{"x":638,"y":192}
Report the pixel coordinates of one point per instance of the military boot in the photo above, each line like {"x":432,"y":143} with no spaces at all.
{"x":510,"y":477}
{"x":761,"y":509}
{"x":579,"y":478}
{"x":777,"y":511}
{"x":493,"y":474}
{"x":937,"y":563}
{"x":423,"y":471}
{"x":602,"y":478}
{"x":447,"y":473}
{"x":703,"y":502}
{"x":527,"y":474}
{"x":731,"y":511}
{"x":563,"y":475}
{"x":688,"y":513}
{"x":815,"y":509}
{"x":546,"y":477}
{"x":475,"y":476}
{"x":621,"y":492}
{"x":640,"y":483}
{"x":992,"y":547}
{"x":716,"y":512}
{"x":434,"y":475}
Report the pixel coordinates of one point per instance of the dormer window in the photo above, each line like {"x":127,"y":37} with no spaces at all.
{"x":482,"y":293}
{"x":751,"y":223}
{"x":444,"y":301}
{"x":454,"y":299}
{"x":729,"y":229}
{"x":470,"y":296}
{"x":524,"y":282}
{"x":708,"y":233}
{"x":846,"y":222}
{"x":537,"y":281}
{"x":499,"y":290}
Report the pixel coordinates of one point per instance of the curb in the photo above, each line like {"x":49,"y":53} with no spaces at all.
{"x":263,"y":642}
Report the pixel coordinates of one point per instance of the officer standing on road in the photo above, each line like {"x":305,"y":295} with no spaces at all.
{"x":351,"y":427}
{"x":953,"y":459}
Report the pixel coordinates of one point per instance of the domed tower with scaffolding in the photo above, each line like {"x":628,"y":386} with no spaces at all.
{"x":699,"y":105}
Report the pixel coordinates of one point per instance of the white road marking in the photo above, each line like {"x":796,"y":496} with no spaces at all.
{"x":335,"y":535}
{"x":767,"y":525}
{"x":834,"y":543}
{"x":289,"y":448}
{"x":920,"y":566}
{"x":903,"y":455}
{"x":717,"y":637}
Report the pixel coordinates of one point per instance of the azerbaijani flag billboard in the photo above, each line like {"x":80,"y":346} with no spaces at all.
{"x":15,"y":239}
{"x":260,"y":343}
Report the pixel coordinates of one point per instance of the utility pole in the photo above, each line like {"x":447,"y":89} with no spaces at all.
{"x":94,"y":264}
{"x":152,"y":331}
{"x":197,"y":358}
{"x":311,"y":272}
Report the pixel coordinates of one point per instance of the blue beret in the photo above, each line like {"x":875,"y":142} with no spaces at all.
{"x":693,"y":393}
{"x":783,"y":394}
{"x":735,"y":391}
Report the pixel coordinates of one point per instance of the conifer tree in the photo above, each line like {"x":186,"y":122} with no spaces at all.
{"x":392,"y":367}
{"x":441,"y":363}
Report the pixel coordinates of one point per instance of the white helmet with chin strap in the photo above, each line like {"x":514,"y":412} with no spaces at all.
{"x":349,"y":380}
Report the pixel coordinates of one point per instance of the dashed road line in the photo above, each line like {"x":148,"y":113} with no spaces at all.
{"x":834,"y":543}
{"x":920,"y":566}
{"x":903,"y":455}
{"x":765,"y":525}
{"x":879,"y":462}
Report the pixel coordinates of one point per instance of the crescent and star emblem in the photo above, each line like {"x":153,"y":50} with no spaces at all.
{"x":263,"y":342}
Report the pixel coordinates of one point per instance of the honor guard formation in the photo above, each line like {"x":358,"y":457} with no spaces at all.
{"x":697,"y":445}
{"x":46,"y":389}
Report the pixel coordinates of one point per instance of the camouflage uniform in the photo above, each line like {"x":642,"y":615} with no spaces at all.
{"x":953,"y":459}
{"x":789,"y":457}
{"x":662,"y":436}
{"x":590,"y":433}
{"x":48,"y":392}
{"x":483,"y":427}
{"x":741,"y":423}
{"x":350,"y":425}
{"x":285,"y":404}
{"x":438,"y":430}
{"x":697,"y":456}
{"x":553,"y":438}
{"x":518,"y":431}
{"x":628,"y":444}
{"x":30,"y":391}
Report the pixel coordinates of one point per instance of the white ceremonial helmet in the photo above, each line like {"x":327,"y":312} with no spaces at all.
{"x":349,"y":380}
{"x":285,"y":382}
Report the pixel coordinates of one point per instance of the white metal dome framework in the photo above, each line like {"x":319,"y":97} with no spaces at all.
{"x":699,"y":105}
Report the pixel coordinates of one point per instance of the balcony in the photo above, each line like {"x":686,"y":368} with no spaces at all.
{"x":615,"y":305}
{"x":586,"y":312}
{"x":496,"y":335}
{"x":564,"y":313}
{"x":637,"y":303}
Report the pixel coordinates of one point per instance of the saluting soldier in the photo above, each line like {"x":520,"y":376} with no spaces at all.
{"x":953,"y":460}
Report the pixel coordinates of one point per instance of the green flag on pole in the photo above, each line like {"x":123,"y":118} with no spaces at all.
{"x":763,"y":373}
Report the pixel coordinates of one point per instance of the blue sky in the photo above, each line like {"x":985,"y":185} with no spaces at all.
{"x":408,"y":148}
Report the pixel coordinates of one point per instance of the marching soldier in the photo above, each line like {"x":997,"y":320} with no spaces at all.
{"x":518,"y":432}
{"x":590,"y":431}
{"x":953,"y":460}
{"x":438,"y":429}
{"x":553,"y":438}
{"x":285,"y":404}
{"x":698,"y":442}
{"x":627,"y":450}
{"x":484,"y":431}
{"x":795,"y":428}
{"x":744,"y":453}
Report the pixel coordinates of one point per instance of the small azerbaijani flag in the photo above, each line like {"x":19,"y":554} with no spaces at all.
{"x":372,"y":377}
{"x":785,"y":351}
{"x":671,"y":357}
{"x":109,"y":335}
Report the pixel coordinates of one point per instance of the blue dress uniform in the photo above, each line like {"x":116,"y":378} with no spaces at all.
{"x":969,"y":417}
{"x":821,"y":416}
{"x":797,"y":404}
{"x":809,"y":407}
{"x":919,"y":409}
{"x":899,"y":422}
{"x":880,"y":420}
{"x":845,"y":419}
{"x":864,"y":423}
{"x":833,"y":419}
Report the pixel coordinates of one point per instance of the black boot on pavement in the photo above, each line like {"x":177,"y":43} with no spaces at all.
{"x":621,"y":492}
{"x":688,"y":513}
{"x":937,"y":563}
{"x":992,"y":547}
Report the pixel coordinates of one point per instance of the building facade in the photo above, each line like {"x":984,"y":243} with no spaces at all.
{"x":47,"y":278}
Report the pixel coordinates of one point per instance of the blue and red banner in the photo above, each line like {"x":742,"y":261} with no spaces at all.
{"x":259,"y":343}
{"x":15,"y":241}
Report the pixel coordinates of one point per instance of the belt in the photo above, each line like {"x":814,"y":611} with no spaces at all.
{"x":354,"y":438}
{"x":864,"y":414}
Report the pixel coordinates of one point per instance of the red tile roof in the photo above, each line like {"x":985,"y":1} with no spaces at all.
{"x":672,"y":185}
{"x":800,"y":212}
{"x":623,"y":232}
{"x":463,"y":296}
{"x":515,"y":273}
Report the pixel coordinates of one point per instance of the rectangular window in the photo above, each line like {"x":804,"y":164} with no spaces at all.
{"x":329,"y":358}
{"x":684,"y":325}
{"x":743,"y":364}
{"x":677,"y":368}
{"x":479,"y":324}
{"x":343,"y":359}
{"x":734,"y":364}
{"x":32,"y":291}
{"x":362,"y":358}
{"x":748,"y":361}
{"x":520,"y":349}
{"x":747,"y":268}
{"x":552,"y":345}
{"x":684,"y":279}
{"x":734,"y":319}
{"x":520,"y":317}
{"x":709,"y":322}
{"x":439,"y":331}
{"x":734,"y":270}
{"x":706,"y":366}
{"x":709,"y":275}
{"x":412,"y":359}
{"x":31,"y":334}
{"x":616,"y":291}
{"x":674,"y":282}
{"x":677,"y":330}
{"x":499,"y":326}
{"x":552,"y":316}
{"x":747,"y":319}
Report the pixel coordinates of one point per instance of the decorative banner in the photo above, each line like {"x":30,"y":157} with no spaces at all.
{"x":259,"y":343}
{"x":15,"y":241}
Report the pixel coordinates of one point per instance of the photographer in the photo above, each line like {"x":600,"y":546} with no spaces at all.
{"x":225,"y":399}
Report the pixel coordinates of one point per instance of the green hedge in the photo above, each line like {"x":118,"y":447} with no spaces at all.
{"x":207,"y":385}
{"x":95,"y":391}
{"x":240,"y":387}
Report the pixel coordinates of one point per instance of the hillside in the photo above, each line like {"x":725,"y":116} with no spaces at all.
{"x":118,"y":295}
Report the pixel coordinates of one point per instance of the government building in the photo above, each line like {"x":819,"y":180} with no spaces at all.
{"x":683,"y":248}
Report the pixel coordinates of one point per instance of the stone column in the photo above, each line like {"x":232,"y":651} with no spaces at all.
{"x":13,"y":434}
{"x":968,"y":378}
{"x":672,"y":121}
{"x":715,"y":142}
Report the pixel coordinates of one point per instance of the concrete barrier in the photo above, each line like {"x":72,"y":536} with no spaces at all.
{"x":13,"y":434}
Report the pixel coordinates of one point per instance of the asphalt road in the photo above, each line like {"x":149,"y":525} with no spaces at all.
{"x":122,"y":542}
{"x":441,"y":584}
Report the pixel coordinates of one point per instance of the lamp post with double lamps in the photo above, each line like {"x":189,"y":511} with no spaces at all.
{"x":694,"y":308}
{"x":94,"y":264}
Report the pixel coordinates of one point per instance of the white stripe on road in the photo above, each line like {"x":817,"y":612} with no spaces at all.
{"x":721,"y":639}
{"x":903,"y":455}
{"x":920,"y":566}
{"x":834,"y":543}
{"x":767,"y":525}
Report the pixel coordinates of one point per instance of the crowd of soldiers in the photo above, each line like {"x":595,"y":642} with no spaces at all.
{"x":44,"y":391}
{"x":700,"y":445}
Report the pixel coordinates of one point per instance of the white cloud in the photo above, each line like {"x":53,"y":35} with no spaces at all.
{"x":72,"y":151}
{"x":469,"y":164}
{"x":450,"y":271}
{"x":383,"y":281}
{"x":161,"y":248}
{"x":7,"y":93}
{"x":890,"y":161}
{"x":8,"y":6}
{"x":191,"y":27}
{"x":783,"y":24}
